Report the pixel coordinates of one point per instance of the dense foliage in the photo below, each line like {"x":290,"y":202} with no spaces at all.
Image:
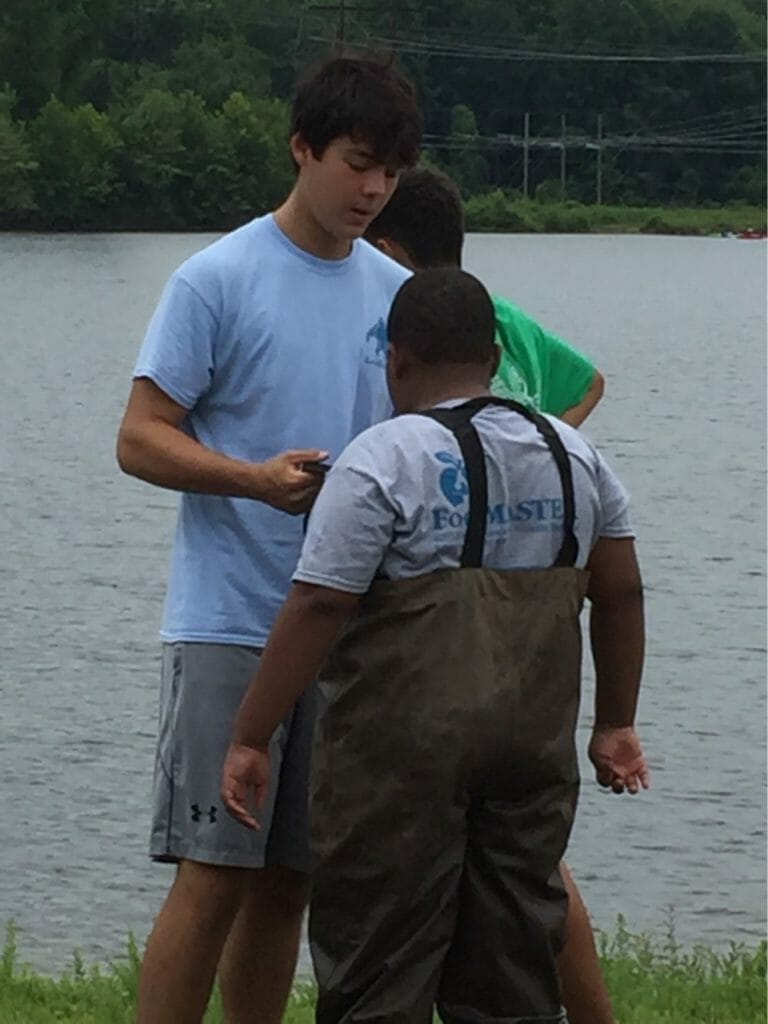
{"x":173,"y":113}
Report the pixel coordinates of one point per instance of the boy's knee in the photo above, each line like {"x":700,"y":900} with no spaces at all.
{"x":210,"y":892}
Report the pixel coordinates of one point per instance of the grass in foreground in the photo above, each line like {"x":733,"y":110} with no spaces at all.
{"x":650,"y":984}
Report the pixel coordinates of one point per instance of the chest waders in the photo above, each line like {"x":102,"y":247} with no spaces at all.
{"x":445,"y":781}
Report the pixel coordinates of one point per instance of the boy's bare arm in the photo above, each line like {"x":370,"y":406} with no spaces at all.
{"x":306,"y":629}
{"x":153,"y":446}
{"x":308,"y":626}
{"x":576,"y":415}
{"x":617,"y":632}
{"x":617,"y":629}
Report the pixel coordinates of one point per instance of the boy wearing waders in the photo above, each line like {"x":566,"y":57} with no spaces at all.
{"x":422,"y":226}
{"x":439,"y":589}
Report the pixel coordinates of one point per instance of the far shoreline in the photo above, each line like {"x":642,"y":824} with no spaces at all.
{"x":492,"y":213}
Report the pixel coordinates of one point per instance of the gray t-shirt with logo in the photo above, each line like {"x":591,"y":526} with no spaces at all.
{"x":396,"y":503}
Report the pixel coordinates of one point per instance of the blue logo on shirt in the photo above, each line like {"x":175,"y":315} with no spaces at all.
{"x":453,"y":481}
{"x":376,"y":343}
{"x":533,"y":514}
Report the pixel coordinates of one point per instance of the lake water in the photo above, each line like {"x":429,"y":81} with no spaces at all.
{"x":678,"y":328}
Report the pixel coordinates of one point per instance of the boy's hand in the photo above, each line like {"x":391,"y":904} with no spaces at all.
{"x":285,"y":484}
{"x":619,"y":760}
{"x":245,"y":768}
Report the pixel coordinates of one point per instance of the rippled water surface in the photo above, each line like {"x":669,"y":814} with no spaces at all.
{"x":678,"y":328}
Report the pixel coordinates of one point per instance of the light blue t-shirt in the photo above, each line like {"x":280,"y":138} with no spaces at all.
{"x":397,"y":501}
{"x":270,"y":349}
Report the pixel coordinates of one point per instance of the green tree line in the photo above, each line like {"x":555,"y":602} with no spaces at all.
{"x":174,"y":113}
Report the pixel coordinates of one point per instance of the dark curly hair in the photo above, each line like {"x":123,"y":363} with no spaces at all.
{"x":426,"y":217}
{"x":444,"y":315}
{"x":366,"y":99}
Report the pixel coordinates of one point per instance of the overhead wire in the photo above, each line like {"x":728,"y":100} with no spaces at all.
{"x":434,"y":49}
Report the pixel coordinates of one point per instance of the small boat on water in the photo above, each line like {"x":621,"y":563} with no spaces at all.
{"x":748,"y":233}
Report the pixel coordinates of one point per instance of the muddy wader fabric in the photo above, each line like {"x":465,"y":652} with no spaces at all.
{"x":445,"y":781}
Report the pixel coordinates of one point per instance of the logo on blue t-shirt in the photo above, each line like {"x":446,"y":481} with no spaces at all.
{"x":376,"y":343}
{"x":453,"y":481}
{"x":532,"y":514}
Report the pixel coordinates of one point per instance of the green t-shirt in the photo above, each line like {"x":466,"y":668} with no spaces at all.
{"x":537,"y":368}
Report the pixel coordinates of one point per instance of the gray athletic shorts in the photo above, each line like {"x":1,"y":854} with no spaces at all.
{"x":201,"y":689}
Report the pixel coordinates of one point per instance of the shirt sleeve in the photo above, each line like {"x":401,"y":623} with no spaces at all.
{"x":614,"y":503}
{"x":349,"y":530}
{"x":178,"y":349}
{"x":566,"y":376}
{"x":539,"y":364}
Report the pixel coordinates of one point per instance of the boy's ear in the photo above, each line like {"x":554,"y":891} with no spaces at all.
{"x":397,"y":361}
{"x":496,"y":361}
{"x":393,"y":249}
{"x":300,"y":150}
{"x":385,"y":246}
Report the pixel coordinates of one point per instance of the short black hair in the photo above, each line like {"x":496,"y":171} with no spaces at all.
{"x":444,"y":315}
{"x":426,"y":217}
{"x":362,"y":97}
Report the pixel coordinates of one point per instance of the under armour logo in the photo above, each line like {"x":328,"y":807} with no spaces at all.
{"x":197,"y":813}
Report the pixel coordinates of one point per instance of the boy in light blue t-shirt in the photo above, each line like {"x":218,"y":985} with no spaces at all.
{"x":265,"y":356}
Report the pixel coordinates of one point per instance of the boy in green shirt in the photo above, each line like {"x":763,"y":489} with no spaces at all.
{"x":423,"y":226}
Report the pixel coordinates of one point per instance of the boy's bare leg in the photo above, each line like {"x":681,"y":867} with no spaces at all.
{"x":585,"y":995}
{"x":259,"y":958}
{"x":249,"y":919}
{"x":186,"y":943}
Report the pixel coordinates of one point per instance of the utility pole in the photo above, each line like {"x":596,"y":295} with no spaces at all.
{"x":136,"y":35}
{"x":340,"y":8}
{"x":341,"y":28}
{"x":343,"y":7}
{"x":562,"y":157}
{"x":526,"y":152}
{"x":599,"y":159}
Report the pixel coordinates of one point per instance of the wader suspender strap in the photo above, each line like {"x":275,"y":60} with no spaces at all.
{"x":459,"y":421}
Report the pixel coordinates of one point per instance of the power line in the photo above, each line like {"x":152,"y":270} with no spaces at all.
{"x":752,"y":134}
{"x":619,"y":144}
{"x":417,"y":47}
{"x":479,"y":43}
{"x":751,"y":144}
{"x":655,"y":147}
{"x":743,"y":113}
{"x":445,"y":37}
{"x":343,"y":8}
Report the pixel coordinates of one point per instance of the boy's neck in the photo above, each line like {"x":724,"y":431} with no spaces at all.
{"x":446,"y":391}
{"x":295,"y":221}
